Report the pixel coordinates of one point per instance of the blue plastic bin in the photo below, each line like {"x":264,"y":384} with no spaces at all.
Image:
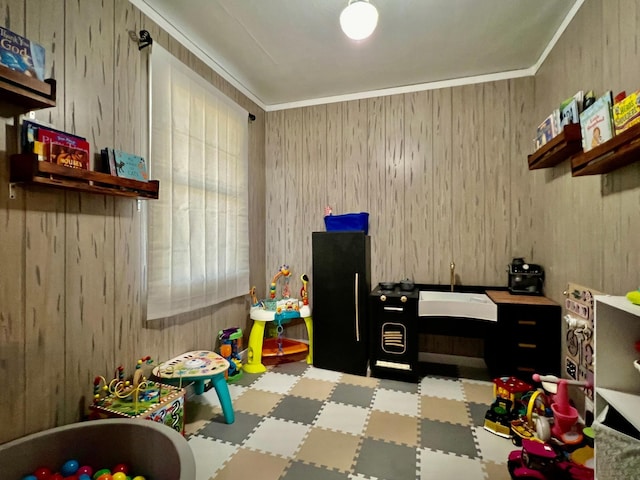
{"x":348,"y":222}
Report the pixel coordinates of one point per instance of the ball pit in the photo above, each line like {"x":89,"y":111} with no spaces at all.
{"x":139,"y":449}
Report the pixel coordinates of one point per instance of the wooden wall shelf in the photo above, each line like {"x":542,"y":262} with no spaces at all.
{"x":26,"y":169}
{"x":623,"y":149}
{"x":564,"y":145}
{"x":21,"y":93}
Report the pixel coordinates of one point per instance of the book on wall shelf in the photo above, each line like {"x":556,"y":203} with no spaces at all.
{"x":124,"y":164}
{"x":596,"y":122}
{"x":21,"y":54}
{"x":55,"y":146}
{"x":626,"y":112}
{"x":570,"y":109}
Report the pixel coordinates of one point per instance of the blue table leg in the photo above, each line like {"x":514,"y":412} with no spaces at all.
{"x":198,"y":386}
{"x":222,"y":389}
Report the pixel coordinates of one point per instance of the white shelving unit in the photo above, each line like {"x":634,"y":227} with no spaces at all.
{"x":617,"y":382}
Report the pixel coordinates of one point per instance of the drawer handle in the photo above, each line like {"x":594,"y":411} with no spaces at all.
{"x":393,"y":309}
{"x":527,"y":345}
{"x":527,"y":322}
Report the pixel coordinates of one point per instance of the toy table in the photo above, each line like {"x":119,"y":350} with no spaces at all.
{"x":198,"y":366}
{"x":260,"y":317}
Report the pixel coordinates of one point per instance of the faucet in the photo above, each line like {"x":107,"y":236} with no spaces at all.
{"x":452,"y":267}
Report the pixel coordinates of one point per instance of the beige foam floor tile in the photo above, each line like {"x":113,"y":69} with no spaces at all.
{"x":496,"y":471}
{"x":329,"y":449}
{"x":244,"y":464}
{"x":312,"y":388}
{"x":361,"y":381}
{"x":444,"y":410}
{"x":391,"y":427}
{"x":478,"y":392}
{"x":257,"y":402}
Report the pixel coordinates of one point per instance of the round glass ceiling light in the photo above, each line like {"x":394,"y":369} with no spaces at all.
{"x":359,"y":19}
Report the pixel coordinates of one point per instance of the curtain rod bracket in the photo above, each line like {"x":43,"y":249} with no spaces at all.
{"x":145,"y":39}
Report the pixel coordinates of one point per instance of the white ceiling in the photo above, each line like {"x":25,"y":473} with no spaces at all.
{"x":287,"y":53}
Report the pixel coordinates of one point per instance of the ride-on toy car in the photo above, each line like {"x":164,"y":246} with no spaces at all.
{"x":541,"y":461}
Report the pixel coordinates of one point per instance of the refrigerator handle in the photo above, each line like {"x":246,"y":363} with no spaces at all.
{"x":357,"y":291}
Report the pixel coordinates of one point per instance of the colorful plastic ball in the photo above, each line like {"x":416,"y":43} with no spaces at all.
{"x":119,"y":476}
{"x":84,"y":476}
{"x":42,"y":473}
{"x":73,"y":477}
{"x":56,"y":476}
{"x":86,"y":469}
{"x":121,"y":467}
{"x":70,"y":467}
{"x":101,"y":472}
{"x":105,"y":476}
{"x":139,"y":477}
{"x":30,"y":477}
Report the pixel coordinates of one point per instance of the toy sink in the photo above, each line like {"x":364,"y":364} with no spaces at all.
{"x":457,"y":304}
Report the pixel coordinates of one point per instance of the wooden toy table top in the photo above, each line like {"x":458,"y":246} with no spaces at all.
{"x":192,"y":366}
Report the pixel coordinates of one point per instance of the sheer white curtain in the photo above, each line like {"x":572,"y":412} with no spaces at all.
{"x":198,"y":230}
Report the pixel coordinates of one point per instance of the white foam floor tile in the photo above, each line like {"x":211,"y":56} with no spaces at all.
{"x":343,"y":418}
{"x":275,"y":382}
{"x":403,"y":403}
{"x":441,"y":387}
{"x":210,"y":455}
{"x":322,"y":374}
{"x":278,"y":437}
{"x":492,"y":447}
{"x":438,"y":465}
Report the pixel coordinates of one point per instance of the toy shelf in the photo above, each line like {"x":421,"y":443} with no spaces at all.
{"x":21,"y":93}
{"x":623,"y":149}
{"x":25,"y":168}
{"x":564,"y":145}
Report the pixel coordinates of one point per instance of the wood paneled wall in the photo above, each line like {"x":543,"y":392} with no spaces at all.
{"x":444,"y":174}
{"x":70,"y":277}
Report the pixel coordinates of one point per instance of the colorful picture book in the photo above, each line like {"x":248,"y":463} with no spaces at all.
{"x":124,"y":165}
{"x":596,"y":122}
{"x":21,"y":54}
{"x":548,"y":129}
{"x":570,"y":110}
{"x":626,"y":112}
{"x":55,"y":146}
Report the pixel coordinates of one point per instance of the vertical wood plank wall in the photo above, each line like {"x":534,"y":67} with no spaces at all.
{"x":444,"y":174}
{"x":70,"y":263}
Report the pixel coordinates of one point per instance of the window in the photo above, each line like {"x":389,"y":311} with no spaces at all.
{"x":198,"y":230}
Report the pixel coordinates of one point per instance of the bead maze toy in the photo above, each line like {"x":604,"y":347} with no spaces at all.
{"x":280,"y":310}
{"x":198,"y":366}
{"x":138,"y":398}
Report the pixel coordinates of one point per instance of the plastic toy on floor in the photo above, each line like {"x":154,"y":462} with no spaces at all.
{"x":230,"y":346}
{"x":508,"y":392}
{"x":565,"y":416}
{"x":279,"y":310}
{"x":541,"y":461}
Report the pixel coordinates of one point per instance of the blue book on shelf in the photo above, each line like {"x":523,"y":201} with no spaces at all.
{"x":131,"y":166}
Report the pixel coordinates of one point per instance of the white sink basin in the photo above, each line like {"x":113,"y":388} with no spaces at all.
{"x":457,"y":304}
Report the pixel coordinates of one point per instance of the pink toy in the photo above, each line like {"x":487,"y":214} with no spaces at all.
{"x":565,"y":416}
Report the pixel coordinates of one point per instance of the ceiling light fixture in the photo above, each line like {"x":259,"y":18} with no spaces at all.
{"x":359,"y":19}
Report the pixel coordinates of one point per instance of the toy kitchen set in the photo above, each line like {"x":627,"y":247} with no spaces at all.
{"x":520,"y":327}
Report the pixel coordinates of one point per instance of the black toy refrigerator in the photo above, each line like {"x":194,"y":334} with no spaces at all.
{"x":341,"y":282}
